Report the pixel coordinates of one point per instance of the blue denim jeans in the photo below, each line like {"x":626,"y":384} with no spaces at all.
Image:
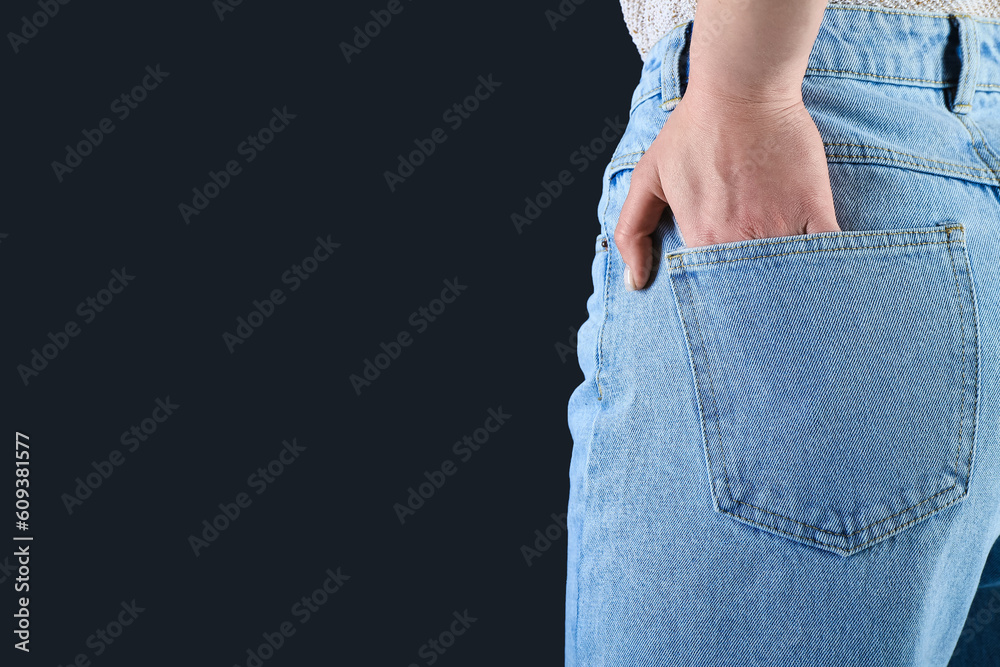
{"x":785,"y":451}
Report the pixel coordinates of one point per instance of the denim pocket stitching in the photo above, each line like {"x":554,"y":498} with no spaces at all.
{"x":876,"y":76}
{"x":803,"y":252}
{"x":687,"y":252}
{"x":701,"y":411}
{"x":672,"y":99}
{"x":607,"y":291}
{"x":928,"y":167}
{"x":919,"y":157}
{"x":847,"y":551}
{"x":617,"y":161}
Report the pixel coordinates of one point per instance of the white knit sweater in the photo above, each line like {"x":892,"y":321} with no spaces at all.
{"x":649,"y":20}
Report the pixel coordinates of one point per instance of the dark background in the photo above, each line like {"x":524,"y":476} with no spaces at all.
{"x":506,"y":343}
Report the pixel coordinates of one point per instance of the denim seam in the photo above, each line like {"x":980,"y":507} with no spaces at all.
{"x":877,"y":76}
{"x":803,"y":252}
{"x":890,"y":11}
{"x":841,"y":550}
{"x":961,"y":408}
{"x":961,"y":324}
{"x":666,"y":102}
{"x":607,"y":297}
{"x":859,"y":530}
{"x":919,"y":157}
{"x":927,"y":167}
{"x":615,"y":162}
{"x":776,"y":241}
{"x":697,"y":395}
{"x":975,"y":403}
{"x":966,"y":122}
{"x":711,"y":387}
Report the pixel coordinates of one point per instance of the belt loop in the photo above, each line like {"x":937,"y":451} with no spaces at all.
{"x":675,"y":67}
{"x":968,"y":36}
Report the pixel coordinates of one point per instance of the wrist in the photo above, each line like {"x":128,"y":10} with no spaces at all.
{"x":723,"y":96}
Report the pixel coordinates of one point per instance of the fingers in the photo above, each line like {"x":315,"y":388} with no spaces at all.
{"x":641,"y":213}
{"x":825,"y":220}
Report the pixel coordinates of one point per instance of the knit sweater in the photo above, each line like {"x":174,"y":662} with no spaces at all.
{"x":650,"y":20}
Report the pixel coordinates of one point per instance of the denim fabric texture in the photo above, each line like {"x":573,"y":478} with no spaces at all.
{"x":785,"y":451}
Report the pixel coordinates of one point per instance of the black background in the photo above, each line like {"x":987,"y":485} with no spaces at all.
{"x":505,"y":343}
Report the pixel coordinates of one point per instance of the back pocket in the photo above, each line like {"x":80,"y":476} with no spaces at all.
{"x":836,"y":376}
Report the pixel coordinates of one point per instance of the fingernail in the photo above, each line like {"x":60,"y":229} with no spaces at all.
{"x":629,"y":283}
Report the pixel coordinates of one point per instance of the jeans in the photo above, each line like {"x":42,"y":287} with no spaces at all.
{"x":785,"y":451}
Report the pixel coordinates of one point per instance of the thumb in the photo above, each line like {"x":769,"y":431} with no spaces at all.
{"x":641,"y":213}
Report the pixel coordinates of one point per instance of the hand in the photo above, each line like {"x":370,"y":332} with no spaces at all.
{"x":729,"y":168}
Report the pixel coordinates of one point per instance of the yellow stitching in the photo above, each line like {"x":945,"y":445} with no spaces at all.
{"x":915,"y":164}
{"x":919,"y":157}
{"x":697,"y":388}
{"x":619,"y":157}
{"x":847,"y":552}
{"x":711,"y":387}
{"x":803,"y":252}
{"x":607,"y":285}
{"x":624,"y":164}
{"x":644,"y":97}
{"x":973,"y":138}
{"x":961,"y":324}
{"x":975,"y":317}
{"x":878,"y":76}
{"x":793,"y":239}
{"x":666,"y":102}
{"x":859,"y":530}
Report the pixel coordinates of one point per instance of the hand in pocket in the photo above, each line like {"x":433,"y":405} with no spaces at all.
{"x":729,"y":170}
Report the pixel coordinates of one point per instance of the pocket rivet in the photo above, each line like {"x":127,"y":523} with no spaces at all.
{"x":604,"y":243}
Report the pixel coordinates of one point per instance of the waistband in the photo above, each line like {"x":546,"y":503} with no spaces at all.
{"x":908,"y":48}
